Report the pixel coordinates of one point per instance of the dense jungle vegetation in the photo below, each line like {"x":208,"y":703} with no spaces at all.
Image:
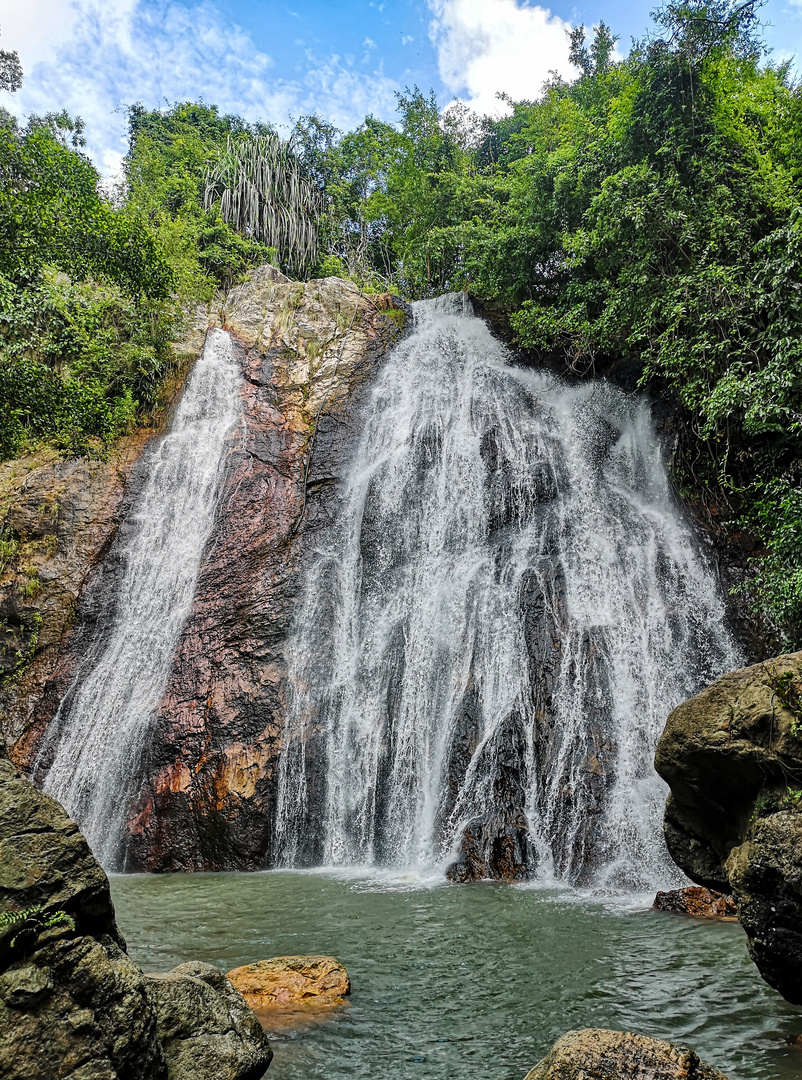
{"x":648,"y":210}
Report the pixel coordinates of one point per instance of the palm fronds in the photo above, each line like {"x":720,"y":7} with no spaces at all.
{"x":263,"y":193}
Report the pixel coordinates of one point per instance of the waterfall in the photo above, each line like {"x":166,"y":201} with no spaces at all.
{"x":100,"y":732}
{"x":507,"y":610}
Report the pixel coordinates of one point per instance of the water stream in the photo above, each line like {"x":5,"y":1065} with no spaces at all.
{"x":101,"y":729}
{"x":508,"y":610}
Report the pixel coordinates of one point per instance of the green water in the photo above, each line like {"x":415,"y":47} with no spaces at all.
{"x":471,"y":980}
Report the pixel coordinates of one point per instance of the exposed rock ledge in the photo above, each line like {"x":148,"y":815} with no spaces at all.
{"x":73,"y":1005}
{"x":596,"y":1054}
{"x":732,"y":756}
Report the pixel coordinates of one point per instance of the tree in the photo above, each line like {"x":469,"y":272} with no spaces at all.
{"x":262,"y":192}
{"x":10,"y":71}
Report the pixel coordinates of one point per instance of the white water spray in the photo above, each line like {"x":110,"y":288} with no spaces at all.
{"x":102,"y":726}
{"x":512,"y":603}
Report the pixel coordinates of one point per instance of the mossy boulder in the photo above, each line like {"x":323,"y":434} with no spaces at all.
{"x":72,"y":1002}
{"x":732,"y":757}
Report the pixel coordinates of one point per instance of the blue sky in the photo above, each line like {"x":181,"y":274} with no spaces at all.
{"x":275,"y":60}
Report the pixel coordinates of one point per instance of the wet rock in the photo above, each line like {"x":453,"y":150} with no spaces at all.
{"x":497,"y":844}
{"x":732,"y":756}
{"x":307,"y":351}
{"x":292,"y":980}
{"x":60,"y":516}
{"x":596,"y":1054}
{"x":698,"y":901}
{"x":45,"y":861}
{"x":73,"y":1005}
{"x":77,"y":1004}
{"x":205,"y":1026}
{"x":207,"y":786}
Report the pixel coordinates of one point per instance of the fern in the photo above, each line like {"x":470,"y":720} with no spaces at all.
{"x":34,"y":919}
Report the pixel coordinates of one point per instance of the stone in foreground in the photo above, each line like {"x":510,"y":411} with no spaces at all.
{"x":206,"y":1028}
{"x":292,"y":980}
{"x":697,"y":901}
{"x":72,"y":1002}
{"x":732,"y":757}
{"x":596,"y":1054}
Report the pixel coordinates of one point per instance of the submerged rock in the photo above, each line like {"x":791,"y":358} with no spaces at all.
{"x":596,"y":1054}
{"x":292,"y":980}
{"x":697,"y":901}
{"x":732,"y":756}
{"x":72,"y":1003}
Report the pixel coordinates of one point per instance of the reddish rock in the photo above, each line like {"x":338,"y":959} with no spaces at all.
{"x":698,"y":901}
{"x":306,"y":352}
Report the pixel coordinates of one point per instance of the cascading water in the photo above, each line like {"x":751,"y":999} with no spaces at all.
{"x":510,"y":607}
{"x":100,"y":732}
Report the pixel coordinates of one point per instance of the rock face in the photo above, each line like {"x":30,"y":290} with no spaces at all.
{"x":306,"y":351}
{"x":697,"y":901}
{"x":72,"y":1003}
{"x":57,"y":519}
{"x":732,"y":756}
{"x":595,"y":1054}
{"x":292,"y":980}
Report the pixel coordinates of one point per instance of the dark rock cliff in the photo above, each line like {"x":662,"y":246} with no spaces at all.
{"x":732,"y":756}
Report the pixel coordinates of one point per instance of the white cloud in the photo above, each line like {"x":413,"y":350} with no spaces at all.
{"x":489,"y":46}
{"x":103,"y":55}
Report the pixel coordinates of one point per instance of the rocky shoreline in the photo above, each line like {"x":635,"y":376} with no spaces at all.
{"x":72,"y":1003}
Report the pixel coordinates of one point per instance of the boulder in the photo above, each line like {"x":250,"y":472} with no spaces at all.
{"x":77,"y":1003}
{"x":732,"y":757}
{"x":596,"y":1054}
{"x":73,"y":1005}
{"x":697,"y":901}
{"x":45,"y":861}
{"x":292,"y":980}
{"x":205,"y":1026}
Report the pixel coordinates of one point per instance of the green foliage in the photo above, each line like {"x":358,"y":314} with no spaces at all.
{"x":262,"y":192}
{"x":10,"y":71}
{"x":30,"y":922}
{"x":78,"y":361}
{"x":171,"y":154}
{"x":86,"y":312}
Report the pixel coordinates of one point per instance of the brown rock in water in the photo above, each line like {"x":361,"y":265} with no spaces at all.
{"x":732,"y":757}
{"x":596,"y":1054}
{"x":697,"y":901}
{"x":292,"y":980}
